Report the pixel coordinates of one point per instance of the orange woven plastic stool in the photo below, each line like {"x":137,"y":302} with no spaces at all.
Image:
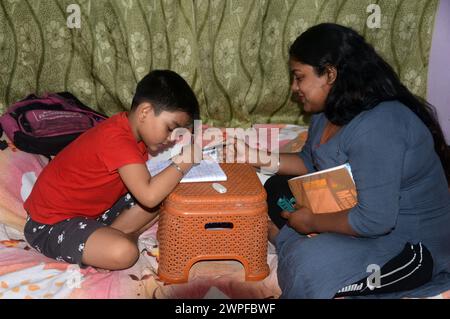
{"x":197,"y":223}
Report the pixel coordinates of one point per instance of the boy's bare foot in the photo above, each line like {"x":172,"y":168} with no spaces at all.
{"x":272,"y":231}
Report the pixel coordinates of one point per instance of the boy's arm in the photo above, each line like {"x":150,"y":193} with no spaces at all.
{"x":150,"y":191}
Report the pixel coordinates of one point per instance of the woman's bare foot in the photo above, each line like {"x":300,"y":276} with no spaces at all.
{"x":272,"y":231}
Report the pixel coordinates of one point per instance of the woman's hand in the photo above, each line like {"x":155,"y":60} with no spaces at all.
{"x":237,"y":151}
{"x":302,"y":220}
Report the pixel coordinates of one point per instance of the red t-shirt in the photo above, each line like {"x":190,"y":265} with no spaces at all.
{"x":83,"y":179}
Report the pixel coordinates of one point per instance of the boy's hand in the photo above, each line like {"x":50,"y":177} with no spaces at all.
{"x":302,"y":220}
{"x":191,"y":153}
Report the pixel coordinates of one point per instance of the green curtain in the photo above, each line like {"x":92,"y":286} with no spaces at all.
{"x":232,"y":52}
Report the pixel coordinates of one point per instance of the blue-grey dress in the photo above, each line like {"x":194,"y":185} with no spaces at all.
{"x":402,"y":197}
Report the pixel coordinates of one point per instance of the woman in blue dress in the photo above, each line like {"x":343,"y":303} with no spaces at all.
{"x":396,"y":241}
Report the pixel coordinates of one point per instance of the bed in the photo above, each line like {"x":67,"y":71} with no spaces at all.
{"x":26,"y":274}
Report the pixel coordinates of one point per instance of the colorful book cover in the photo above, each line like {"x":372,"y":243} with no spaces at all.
{"x":327,"y":191}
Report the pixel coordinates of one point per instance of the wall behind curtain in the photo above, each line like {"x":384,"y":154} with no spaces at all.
{"x":438,"y":93}
{"x":232,"y":52}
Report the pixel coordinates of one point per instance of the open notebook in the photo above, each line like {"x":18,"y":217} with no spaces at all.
{"x":206,"y":171}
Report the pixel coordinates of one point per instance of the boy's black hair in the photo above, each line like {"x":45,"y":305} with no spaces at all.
{"x":364,"y":79}
{"x":166,"y":91}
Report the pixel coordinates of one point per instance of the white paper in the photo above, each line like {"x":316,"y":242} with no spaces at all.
{"x":206,"y":171}
{"x":346,"y":165}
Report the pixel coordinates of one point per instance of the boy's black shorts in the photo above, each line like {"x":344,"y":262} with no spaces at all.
{"x":65,"y":241}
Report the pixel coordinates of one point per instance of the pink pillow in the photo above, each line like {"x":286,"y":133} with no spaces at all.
{"x":18,"y":173}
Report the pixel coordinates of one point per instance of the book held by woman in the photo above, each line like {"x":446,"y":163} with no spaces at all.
{"x":327,"y":191}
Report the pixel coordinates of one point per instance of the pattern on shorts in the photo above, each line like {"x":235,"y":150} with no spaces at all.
{"x":65,"y":241}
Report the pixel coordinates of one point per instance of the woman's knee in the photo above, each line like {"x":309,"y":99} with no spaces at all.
{"x":276,"y":186}
{"x":276,"y":183}
{"x":303,"y":254}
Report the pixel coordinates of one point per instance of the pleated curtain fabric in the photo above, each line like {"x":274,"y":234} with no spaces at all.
{"x":234,"y":53}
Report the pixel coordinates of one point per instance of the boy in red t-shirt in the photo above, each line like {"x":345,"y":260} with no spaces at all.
{"x":91,"y":202}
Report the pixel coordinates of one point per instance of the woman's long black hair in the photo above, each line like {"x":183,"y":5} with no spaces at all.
{"x":363,"y":80}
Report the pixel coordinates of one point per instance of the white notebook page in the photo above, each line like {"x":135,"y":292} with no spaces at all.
{"x":206,"y":171}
